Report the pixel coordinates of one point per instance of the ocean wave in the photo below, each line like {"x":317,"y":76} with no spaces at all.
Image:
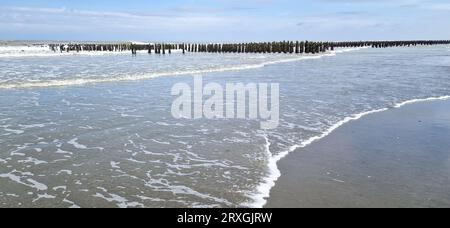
{"x":42,"y":51}
{"x":399,"y":105}
{"x":47,"y":53}
{"x":262,"y":191}
{"x":83,"y":81}
{"x":53,"y":54}
{"x":344,"y":50}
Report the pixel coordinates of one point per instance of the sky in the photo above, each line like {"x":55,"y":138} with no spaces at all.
{"x":224,"y":20}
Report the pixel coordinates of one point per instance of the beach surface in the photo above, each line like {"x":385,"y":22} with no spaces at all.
{"x":396,"y":158}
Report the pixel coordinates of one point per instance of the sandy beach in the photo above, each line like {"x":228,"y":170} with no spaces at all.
{"x":395,"y":158}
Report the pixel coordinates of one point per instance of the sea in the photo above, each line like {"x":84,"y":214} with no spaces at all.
{"x":95,"y":129}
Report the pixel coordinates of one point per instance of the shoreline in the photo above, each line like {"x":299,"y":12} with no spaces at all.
{"x":289,"y":184}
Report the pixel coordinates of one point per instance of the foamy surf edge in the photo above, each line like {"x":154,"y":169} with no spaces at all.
{"x":73,"y":53}
{"x":262,"y":192}
{"x":32,"y":55}
{"x":81,"y":81}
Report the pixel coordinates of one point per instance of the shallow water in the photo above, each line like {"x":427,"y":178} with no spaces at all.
{"x":107,"y":138}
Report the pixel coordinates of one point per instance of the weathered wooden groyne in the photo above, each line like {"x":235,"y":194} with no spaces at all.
{"x":286,"y":47}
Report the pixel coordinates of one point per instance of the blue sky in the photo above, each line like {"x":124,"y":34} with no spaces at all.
{"x":224,"y":20}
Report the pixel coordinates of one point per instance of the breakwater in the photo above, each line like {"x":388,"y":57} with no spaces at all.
{"x":287,"y":47}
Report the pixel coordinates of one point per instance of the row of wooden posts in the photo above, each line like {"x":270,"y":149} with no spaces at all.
{"x":297,"y":47}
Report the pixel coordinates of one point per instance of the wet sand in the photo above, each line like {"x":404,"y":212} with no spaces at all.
{"x":396,"y":158}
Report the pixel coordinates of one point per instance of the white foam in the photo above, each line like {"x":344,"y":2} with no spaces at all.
{"x":17,"y":132}
{"x":115,"y":165}
{"x":12,"y":195}
{"x":339,"y":181}
{"x":59,"y":151}
{"x":120,"y":201}
{"x":31,"y":183}
{"x":32,"y":160}
{"x":135,"y":161}
{"x":73,"y":205}
{"x":63,"y":188}
{"x":74,"y":142}
{"x":184,"y":190}
{"x":43,"y":196}
{"x":262,"y":192}
{"x":128,"y":115}
{"x":145,"y":198}
{"x":68,"y":172}
{"x":37,"y":185}
{"x":343,"y":50}
{"x":44,"y":51}
{"x":32,"y":126}
{"x":160,"y":142}
{"x":81,"y":81}
{"x":421,"y":100}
